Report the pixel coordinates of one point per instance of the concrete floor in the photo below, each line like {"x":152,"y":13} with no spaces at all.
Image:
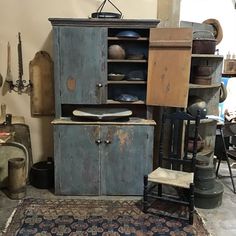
{"x":220,"y":221}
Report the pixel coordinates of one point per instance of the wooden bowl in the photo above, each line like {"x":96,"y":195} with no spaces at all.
{"x":204,"y":46}
{"x":202,"y":70}
{"x":116,"y":77}
{"x":202,"y":80}
{"x":115,"y":51}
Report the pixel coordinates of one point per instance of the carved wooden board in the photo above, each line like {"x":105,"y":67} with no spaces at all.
{"x":169,"y":66}
{"x":41,"y":77}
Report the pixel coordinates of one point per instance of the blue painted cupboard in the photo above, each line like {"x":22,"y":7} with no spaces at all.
{"x":91,"y":157}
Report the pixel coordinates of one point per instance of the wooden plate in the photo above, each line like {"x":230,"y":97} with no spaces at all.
{"x":102,"y":113}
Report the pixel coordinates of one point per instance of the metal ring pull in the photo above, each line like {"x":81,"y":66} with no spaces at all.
{"x":107,"y":141}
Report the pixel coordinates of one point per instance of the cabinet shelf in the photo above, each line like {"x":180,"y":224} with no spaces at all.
{"x":206,"y":121}
{"x":109,"y":101}
{"x":127,"y":82}
{"x":198,"y":86}
{"x":207,"y":56}
{"x":128,"y":39}
{"x":127,"y":60}
{"x":229,"y":74}
{"x":131,"y":121}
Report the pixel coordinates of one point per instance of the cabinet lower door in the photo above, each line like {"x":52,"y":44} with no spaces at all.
{"x":76,"y":160}
{"x":125,"y":158}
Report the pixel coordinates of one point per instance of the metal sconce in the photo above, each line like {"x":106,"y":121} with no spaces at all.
{"x":20,"y":86}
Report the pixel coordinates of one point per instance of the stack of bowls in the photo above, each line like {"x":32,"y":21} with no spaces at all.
{"x":202,"y":74}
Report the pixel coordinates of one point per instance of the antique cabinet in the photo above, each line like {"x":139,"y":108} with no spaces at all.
{"x":102,"y":158}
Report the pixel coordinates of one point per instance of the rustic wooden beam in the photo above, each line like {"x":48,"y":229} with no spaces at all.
{"x":168,"y":12}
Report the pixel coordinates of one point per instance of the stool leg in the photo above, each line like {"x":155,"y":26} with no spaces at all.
{"x":218,"y":166}
{"x":145,"y":200}
{"x":220,"y":157}
{"x":230,"y":172}
{"x":191,"y":204}
{"x":159,"y":190}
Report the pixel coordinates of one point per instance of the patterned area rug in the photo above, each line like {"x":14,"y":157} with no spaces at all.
{"x":94,"y":217}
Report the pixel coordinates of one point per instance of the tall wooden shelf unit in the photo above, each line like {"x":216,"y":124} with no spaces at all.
{"x":210,"y":94}
{"x":208,"y":191}
{"x":97,"y":157}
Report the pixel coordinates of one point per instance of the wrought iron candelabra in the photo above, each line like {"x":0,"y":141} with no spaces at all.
{"x":20,"y":86}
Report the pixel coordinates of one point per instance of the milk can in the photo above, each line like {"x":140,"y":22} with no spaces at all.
{"x":16,"y":178}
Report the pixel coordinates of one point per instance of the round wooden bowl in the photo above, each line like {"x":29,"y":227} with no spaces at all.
{"x":116,"y":77}
{"x":116,"y":51}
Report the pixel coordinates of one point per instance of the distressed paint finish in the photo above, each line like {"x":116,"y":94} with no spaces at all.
{"x":76,"y":160}
{"x":115,"y":23}
{"x":57,"y":84}
{"x":113,"y":166}
{"x":80,"y":58}
{"x":71,"y":84}
{"x":83,"y":67}
{"x":126,"y":157}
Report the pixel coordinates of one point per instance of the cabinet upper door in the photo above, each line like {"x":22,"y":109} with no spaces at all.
{"x":83,"y":67}
{"x":169,"y":64}
{"x":126,"y":157}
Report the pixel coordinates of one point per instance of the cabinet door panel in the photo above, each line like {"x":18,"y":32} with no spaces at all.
{"x":83,"y":55}
{"x":169,"y":67}
{"x":125,"y":158}
{"x":76,"y":160}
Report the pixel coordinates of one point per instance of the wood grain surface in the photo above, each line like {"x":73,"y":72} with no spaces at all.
{"x":41,"y":77}
{"x":169,"y":67}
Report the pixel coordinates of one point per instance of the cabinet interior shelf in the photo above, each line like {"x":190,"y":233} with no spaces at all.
{"x":197,"y":86}
{"x":207,"y":56}
{"x":109,"y":101}
{"x":229,"y":74}
{"x":206,"y":121}
{"x":127,"y":82}
{"x":128,"y":39}
{"x":127,"y":60}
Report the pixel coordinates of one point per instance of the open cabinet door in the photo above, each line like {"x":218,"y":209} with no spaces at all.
{"x":169,"y":64}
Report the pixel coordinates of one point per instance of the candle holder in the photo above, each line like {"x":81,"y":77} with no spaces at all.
{"x":20,"y":86}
